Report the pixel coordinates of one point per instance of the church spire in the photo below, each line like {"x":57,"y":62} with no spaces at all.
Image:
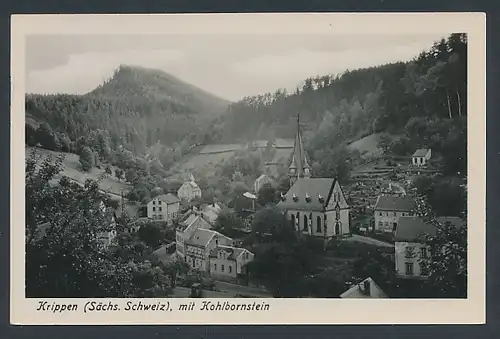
{"x":299,"y":165}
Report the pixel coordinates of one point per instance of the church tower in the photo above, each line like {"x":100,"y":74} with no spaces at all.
{"x":299,"y":166}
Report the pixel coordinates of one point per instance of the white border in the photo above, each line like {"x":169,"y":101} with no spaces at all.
{"x":282,"y":311}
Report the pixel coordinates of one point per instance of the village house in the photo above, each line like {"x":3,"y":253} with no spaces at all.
{"x":410,"y":244}
{"x":185,"y":229}
{"x":211,"y":212}
{"x":229,"y":263}
{"x":365,"y":289}
{"x":164,"y":207}
{"x":199,"y":246}
{"x":318,"y":207}
{"x":261,"y":181}
{"x":106,"y":237}
{"x":388,"y":210}
{"x":189,"y":191}
{"x":421,"y":157}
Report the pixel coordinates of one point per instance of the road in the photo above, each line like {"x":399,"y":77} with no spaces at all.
{"x":367,"y":240}
{"x":244,"y":290}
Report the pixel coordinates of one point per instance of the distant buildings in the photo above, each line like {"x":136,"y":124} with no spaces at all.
{"x":189,"y":191}
{"x":199,"y":246}
{"x":185,"y":229}
{"x":163,"y":208}
{"x":318,"y":207}
{"x":389,"y":209}
{"x":421,"y":157}
{"x":365,"y":289}
{"x":411,"y":245}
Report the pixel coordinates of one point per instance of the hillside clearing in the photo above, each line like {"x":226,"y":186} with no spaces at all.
{"x":107,"y":183}
{"x":367,"y":145}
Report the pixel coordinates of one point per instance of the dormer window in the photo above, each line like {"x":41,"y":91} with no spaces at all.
{"x":292,"y":170}
{"x":295,"y":197}
{"x":308,"y":198}
{"x":283,"y":197}
{"x":306,"y":170}
{"x":320,"y":198}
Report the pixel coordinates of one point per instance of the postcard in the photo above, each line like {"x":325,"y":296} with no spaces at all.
{"x":313,"y":168}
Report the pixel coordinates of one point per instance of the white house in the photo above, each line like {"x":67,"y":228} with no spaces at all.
{"x":260,"y":182}
{"x":189,"y":191}
{"x":317,"y":206}
{"x":365,"y":289}
{"x":163,"y":207}
{"x":211,"y":212}
{"x":199,"y":246}
{"x":421,"y":157}
{"x":228,"y":262}
{"x":410,"y":245}
{"x":389,"y":209}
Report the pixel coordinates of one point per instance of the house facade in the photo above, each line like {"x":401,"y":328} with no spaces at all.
{"x":421,"y":157}
{"x":389,"y":209}
{"x":411,"y":247}
{"x":164,"y":207}
{"x":189,"y":191}
{"x":229,"y":263}
{"x":185,"y":229}
{"x":199,"y":246}
{"x":318,"y":207}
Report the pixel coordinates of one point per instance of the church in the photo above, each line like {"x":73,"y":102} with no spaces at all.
{"x":314,"y":206}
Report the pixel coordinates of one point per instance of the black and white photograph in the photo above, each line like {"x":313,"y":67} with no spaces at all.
{"x":204,"y":165}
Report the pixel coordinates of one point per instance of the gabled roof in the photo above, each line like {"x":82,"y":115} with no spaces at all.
{"x":234,"y":252}
{"x":192,"y":184}
{"x":168,"y":198}
{"x":421,"y":152}
{"x":201,"y":237}
{"x":356,"y":291}
{"x":394,"y":203}
{"x":314,"y":188}
{"x":412,"y":229}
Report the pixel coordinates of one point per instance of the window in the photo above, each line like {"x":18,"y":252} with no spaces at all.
{"x":423,"y":252}
{"x":318,"y":224}
{"x":380,"y":224}
{"x":380,"y":213}
{"x":305,"y":223}
{"x":230,"y":269}
{"x":154,"y":202}
{"x":154,"y":208}
{"x":409,"y":252}
{"x":293,"y":220}
{"x":394,"y":226}
{"x":393,"y":213}
{"x":222,"y":268}
{"x":161,"y":216}
{"x":409,"y":268}
{"x":215,"y":267}
{"x":159,"y":208}
{"x":386,"y":224}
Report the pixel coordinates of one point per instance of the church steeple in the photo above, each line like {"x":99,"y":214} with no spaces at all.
{"x":299,"y":165}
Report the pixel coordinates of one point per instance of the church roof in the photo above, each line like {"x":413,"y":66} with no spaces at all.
{"x":317,"y":189}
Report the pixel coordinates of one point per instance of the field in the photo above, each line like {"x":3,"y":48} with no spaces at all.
{"x":108,"y":184}
{"x":367,"y":145}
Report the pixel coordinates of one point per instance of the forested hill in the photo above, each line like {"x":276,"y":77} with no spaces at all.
{"x":390,"y":98}
{"x":135,"y":108}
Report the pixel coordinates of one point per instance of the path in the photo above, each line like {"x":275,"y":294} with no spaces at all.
{"x":244,"y":290}
{"x":367,"y":240}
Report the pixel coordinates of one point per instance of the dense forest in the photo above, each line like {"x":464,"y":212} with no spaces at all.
{"x":134,"y":109}
{"x":421,"y":103}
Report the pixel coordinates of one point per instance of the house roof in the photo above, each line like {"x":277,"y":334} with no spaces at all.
{"x":357,"y":292}
{"x":168,"y":198}
{"x":421,"y":152}
{"x":234,"y":251}
{"x":314,"y":188}
{"x":395,"y":203}
{"x":201,"y":237}
{"x":414,"y":228}
{"x":190,"y":219}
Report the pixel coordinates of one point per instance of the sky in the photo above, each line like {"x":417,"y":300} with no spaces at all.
{"x":229,"y":66}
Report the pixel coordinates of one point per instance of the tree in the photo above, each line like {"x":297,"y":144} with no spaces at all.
{"x":174,"y":268}
{"x":270,"y":225}
{"x":119,"y":173}
{"x":227,"y":222}
{"x":150,"y":234}
{"x":86,"y":159}
{"x":266,"y":195}
{"x":108,"y":170}
{"x":63,"y":255}
{"x":46,"y":137}
{"x":446,"y":264}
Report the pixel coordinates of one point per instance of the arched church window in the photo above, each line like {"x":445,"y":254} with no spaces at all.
{"x":305,"y":223}
{"x":293,"y":221}
{"x":318,"y":224}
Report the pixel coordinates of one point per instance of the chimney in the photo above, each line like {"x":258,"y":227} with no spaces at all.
{"x":366,"y":287}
